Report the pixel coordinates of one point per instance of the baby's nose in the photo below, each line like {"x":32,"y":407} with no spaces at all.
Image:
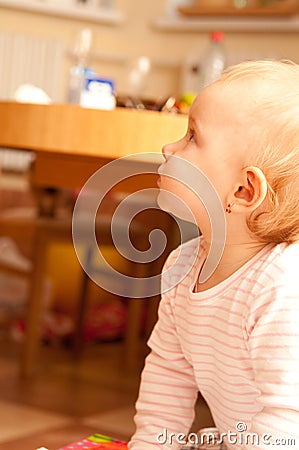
{"x":167,"y":151}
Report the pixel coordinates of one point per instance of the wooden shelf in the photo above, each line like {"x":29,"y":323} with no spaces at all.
{"x":228,"y":24}
{"x":279,"y":9}
{"x":97,"y":15}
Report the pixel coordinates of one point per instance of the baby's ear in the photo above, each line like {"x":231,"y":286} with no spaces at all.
{"x":252,"y":192}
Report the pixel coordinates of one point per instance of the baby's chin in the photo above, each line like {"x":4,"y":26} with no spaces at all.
{"x":174,"y":205}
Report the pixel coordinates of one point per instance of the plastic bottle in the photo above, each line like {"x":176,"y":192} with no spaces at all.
{"x":214,"y":60}
{"x":190,"y":77}
{"x":79,"y":70}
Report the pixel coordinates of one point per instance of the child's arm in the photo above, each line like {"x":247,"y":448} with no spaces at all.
{"x":274,"y":348}
{"x":168,"y":390}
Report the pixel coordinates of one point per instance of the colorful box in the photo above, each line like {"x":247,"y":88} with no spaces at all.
{"x":97,"y":442}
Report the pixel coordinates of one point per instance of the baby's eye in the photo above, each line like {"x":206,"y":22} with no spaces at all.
{"x":191,"y":136}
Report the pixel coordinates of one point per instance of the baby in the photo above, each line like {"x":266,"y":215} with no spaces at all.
{"x":234,"y":335}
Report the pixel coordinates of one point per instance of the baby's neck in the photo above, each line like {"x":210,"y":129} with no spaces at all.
{"x":233,"y":258}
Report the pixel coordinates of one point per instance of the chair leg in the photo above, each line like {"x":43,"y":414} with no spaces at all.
{"x":132,"y":339}
{"x":34,"y":307}
{"x":81,"y":315}
{"x":132,"y":334}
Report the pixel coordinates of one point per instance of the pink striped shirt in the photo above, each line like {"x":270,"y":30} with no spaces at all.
{"x":237,"y":343}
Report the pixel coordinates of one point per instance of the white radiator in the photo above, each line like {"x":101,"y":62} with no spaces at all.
{"x":29,"y":59}
{"x":37,"y":61}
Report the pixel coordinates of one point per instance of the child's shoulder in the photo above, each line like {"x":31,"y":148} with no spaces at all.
{"x":290,"y":252}
{"x":279,"y":267}
{"x":288,"y":261}
{"x":284,"y":257}
{"x":275,"y":288}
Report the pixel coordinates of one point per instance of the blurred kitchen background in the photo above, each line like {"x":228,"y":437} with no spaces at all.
{"x":151,"y":55}
{"x":42,"y":34}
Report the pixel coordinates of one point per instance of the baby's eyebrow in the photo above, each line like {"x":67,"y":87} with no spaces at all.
{"x":192,"y":122}
{"x":195,"y":125}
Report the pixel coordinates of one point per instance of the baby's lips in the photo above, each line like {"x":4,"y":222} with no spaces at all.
{"x":161,"y":169}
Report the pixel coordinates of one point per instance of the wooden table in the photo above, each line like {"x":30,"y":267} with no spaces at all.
{"x":70,"y":144}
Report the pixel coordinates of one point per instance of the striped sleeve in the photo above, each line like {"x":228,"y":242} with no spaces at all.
{"x":168,"y":389}
{"x":273,"y":342}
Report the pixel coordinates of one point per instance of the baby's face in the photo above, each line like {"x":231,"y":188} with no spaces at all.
{"x":216,"y":144}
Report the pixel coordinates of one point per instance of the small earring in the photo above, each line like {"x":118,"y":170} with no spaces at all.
{"x":229,"y":208}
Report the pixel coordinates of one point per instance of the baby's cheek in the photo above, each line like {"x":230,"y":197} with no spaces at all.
{"x":175,"y":198}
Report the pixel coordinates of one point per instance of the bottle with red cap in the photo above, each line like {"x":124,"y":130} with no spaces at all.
{"x":214,"y":59}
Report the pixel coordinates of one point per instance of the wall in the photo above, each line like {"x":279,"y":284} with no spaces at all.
{"x":137,"y":36}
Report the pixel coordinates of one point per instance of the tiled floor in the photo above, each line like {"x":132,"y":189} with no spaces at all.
{"x":66,"y":400}
{"x":64,"y":397}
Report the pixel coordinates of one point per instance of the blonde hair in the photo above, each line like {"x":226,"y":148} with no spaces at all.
{"x":277,"y":146}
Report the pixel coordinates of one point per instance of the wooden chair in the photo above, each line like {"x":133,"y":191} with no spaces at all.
{"x":44,"y":228}
{"x":139,"y":304}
